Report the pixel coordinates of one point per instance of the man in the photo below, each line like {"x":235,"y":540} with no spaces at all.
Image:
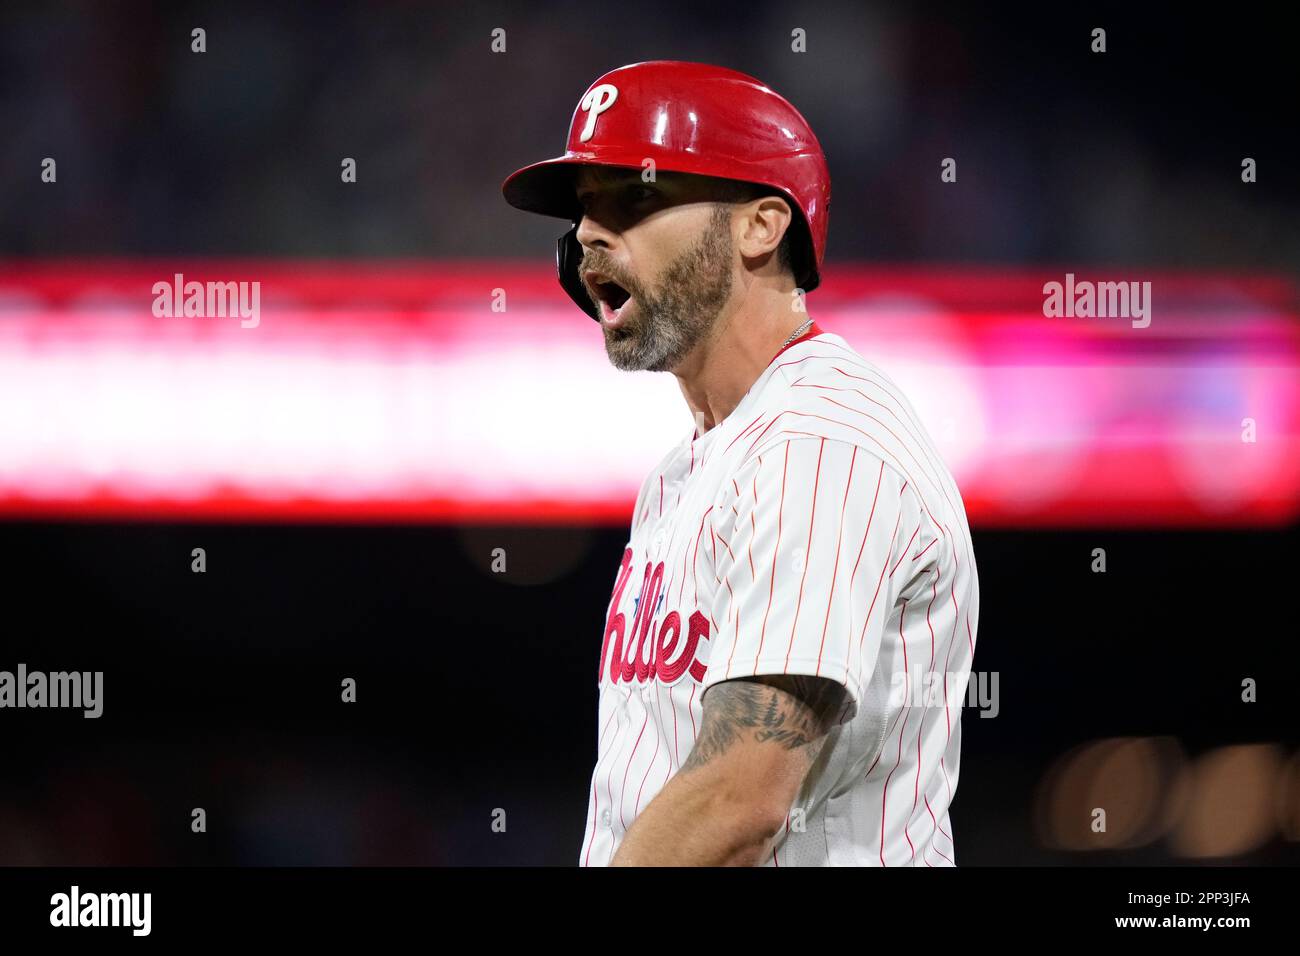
{"x":794,"y":615}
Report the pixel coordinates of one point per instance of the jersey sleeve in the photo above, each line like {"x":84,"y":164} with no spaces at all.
{"x":808,"y":539}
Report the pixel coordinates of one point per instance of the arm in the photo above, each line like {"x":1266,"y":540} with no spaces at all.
{"x":804,"y":549}
{"x":758,"y":738}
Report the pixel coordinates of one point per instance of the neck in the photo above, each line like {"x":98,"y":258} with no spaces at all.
{"x":718,"y":372}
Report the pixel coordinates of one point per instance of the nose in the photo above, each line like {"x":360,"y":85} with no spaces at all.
{"x":594,"y":234}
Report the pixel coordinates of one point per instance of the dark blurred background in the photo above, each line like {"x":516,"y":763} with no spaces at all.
{"x":1064,"y":154}
{"x":476,"y":690}
{"x":222,"y":689}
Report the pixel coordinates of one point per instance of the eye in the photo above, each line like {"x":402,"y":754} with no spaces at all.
{"x":635,"y":193}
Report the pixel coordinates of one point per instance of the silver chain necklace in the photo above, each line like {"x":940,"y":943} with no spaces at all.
{"x":796,"y":333}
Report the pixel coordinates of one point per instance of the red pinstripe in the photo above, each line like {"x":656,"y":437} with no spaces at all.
{"x":893,"y":537}
{"x":637,"y":809}
{"x":690,"y":701}
{"x":622,"y":795}
{"x":936,"y":829}
{"x":753,"y":522}
{"x":674,"y":758}
{"x":695,"y":561}
{"x":920,"y":733}
{"x":915,"y":439}
{"x":903,"y":444}
{"x":762,"y":636}
{"x":839,"y":540}
{"x":884,"y":452}
{"x":595,"y":790}
{"x":725,"y":545}
{"x":753,"y":525}
{"x":779,"y":415}
{"x":907,"y":712}
{"x":862,"y":547}
{"x":609,"y":784}
{"x":812,"y":520}
{"x":659,"y":726}
{"x":889,"y":732}
{"x":905,"y":547}
{"x":936,"y":824}
{"x":742,"y":435}
{"x":681,"y":584}
{"x":863,"y":395}
{"x":952,"y":639}
{"x":835,"y":421}
{"x":801,"y":359}
{"x":775,"y":861}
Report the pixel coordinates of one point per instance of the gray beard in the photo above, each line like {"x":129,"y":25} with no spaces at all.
{"x":692,"y":293}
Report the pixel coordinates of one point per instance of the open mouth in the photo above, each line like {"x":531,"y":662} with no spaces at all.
{"x":611,"y":297}
{"x":613,"y":294}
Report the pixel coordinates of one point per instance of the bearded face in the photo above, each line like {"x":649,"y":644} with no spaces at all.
{"x":663,"y":320}
{"x":657,"y":262}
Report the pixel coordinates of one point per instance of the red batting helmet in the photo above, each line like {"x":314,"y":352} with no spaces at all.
{"x":688,"y":118}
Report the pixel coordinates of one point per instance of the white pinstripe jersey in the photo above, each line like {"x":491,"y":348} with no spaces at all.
{"x":813,"y":531}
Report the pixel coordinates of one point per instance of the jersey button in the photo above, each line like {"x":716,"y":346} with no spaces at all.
{"x":604,"y":817}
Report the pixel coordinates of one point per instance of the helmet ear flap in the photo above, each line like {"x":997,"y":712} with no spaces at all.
{"x":568,"y":255}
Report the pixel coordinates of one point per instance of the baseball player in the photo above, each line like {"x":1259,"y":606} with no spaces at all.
{"x":793,"y":617}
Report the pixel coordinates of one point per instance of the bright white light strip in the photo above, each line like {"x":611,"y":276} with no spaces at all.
{"x":95,"y":412}
{"x":413,"y":402}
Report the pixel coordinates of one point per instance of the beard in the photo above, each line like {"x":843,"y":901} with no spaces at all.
{"x":669,"y":322}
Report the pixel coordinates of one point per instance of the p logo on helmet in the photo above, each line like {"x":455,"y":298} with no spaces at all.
{"x":598,"y":99}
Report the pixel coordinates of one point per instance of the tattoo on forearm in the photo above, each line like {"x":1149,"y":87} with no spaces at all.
{"x":792,"y":711}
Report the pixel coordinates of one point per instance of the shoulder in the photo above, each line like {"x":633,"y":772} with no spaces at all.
{"x":858,"y":414}
{"x":831,"y":392}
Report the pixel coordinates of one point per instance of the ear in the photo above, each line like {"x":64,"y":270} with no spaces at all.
{"x":763,"y":223}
